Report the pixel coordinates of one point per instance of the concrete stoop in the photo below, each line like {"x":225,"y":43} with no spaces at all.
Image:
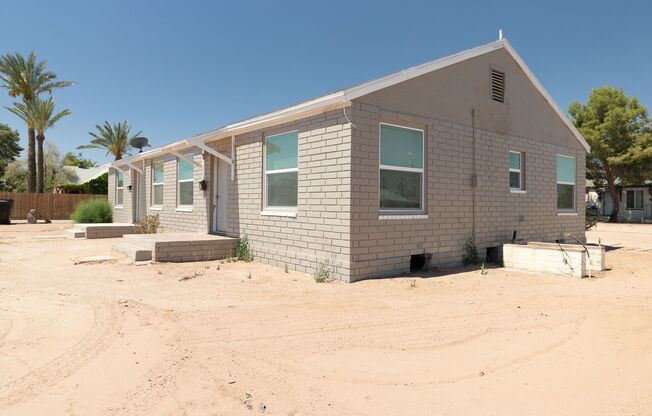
{"x":134,"y":252}
{"x":91,"y":231}
{"x":176,"y":247}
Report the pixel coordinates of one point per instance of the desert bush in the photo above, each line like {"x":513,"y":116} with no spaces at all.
{"x":471,"y":253}
{"x":243,"y":251}
{"x":323,"y":272}
{"x":92,"y":211}
{"x":149,"y":224}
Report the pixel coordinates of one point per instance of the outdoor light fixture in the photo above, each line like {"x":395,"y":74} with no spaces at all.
{"x":203,"y":185}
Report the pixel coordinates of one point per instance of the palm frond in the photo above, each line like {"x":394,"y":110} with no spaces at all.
{"x":27,"y":78}
{"x":115,"y":139}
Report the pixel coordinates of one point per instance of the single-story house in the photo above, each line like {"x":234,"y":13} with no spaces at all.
{"x":635,"y":202}
{"x":379,"y":176}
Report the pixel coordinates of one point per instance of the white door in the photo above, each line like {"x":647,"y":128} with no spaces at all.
{"x":220,"y":195}
{"x":138,"y":195}
{"x":135,"y":195}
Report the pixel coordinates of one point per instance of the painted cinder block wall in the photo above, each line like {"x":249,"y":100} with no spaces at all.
{"x":437,"y":103}
{"x":320,"y":230}
{"x":123,"y":214}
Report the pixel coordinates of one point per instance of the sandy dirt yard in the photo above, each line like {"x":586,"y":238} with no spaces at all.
{"x":114,"y":338}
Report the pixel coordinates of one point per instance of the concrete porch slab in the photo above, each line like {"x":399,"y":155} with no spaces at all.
{"x":183,"y":247}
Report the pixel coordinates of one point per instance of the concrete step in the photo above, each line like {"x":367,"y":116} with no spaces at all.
{"x":74,"y":233}
{"x":133,"y":251}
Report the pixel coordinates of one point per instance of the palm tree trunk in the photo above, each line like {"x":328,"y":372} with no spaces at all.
{"x":31,"y":160}
{"x":40,"y":179}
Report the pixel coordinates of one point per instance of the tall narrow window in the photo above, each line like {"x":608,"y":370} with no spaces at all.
{"x":119,"y":187}
{"x":401,"y":168}
{"x":157,"y":184}
{"x":635,"y":199}
{"x":281,"y":170}
{"x":516,"y":171}
{"x":565,"y":183}
{"x":185,"y":186}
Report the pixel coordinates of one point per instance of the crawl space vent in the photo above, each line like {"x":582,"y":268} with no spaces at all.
{"x":497,"y":86}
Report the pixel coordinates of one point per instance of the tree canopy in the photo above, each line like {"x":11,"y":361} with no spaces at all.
{"x":9,"y":147}
{"x":619,"y":131}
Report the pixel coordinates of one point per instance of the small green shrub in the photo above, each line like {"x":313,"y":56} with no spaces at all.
{"x":149,"y":224}
{"x":323,"y":272}
{"x":92,"y":211}
{"x":471,"y":253}
{"x":243,"y":251}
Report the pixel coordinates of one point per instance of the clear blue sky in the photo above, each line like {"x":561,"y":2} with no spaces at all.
{"x":174,"y":69}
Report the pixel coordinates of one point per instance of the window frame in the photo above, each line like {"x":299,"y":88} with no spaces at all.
{"x":574,"y":183}
{"x":152,"y":202}
{"x":180,"y":206}
{"x":292,"y":210}
{"x":119,"y":172}
{"x":642,"y":201}
{"x":422,"y":170}
{"x":521,"y":184}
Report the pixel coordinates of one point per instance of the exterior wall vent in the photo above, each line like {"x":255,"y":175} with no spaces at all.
{"x":497,"y":86}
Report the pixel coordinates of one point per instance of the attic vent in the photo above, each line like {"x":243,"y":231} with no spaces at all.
{"x":497,"y":86}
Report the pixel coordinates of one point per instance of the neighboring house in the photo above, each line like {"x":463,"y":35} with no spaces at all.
{"x":635,"y":203}
{"x":379,"y":176}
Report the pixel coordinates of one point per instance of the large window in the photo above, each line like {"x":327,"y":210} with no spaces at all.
{"x":281,"y":170}
{"x":516,"y":182}
{"x":119,"y":187}
{"x":185,"y":185}
{"x":565,"y":183}
{"x":401,"y":168}
{"x":157,"y":184}
{"x":634,"y":199}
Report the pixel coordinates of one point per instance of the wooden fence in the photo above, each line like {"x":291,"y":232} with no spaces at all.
{"x":52,"y":206}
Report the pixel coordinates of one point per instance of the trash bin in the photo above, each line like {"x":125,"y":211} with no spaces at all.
{"x":5,"y":210}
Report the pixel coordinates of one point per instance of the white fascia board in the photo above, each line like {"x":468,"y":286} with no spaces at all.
{"x":537,"y":84}
{"x":343,"y":98}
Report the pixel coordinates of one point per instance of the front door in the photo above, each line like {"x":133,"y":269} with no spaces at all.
{"x":138,"y":195}
{"x":220,"y":195}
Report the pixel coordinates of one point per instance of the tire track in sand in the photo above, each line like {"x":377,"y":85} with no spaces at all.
{"x":107,"y":319}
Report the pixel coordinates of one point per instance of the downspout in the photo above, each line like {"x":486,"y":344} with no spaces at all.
{"x":474,"y":175}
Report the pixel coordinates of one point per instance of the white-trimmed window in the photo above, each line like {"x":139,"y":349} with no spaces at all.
{"x":516,"y":182}
{"x":565,"y":183}
{"x":119,"y":187}
{"x":282,"y":171}
{"x":185,"y":183}
{"x":634,"y":199}
{"x":401,"y":168}
{"x":157,"y":184}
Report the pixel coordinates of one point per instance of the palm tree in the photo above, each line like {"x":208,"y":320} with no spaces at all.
{"x":40,"y":115}
{"x":27,"y":78}
{"x":114,"y":139}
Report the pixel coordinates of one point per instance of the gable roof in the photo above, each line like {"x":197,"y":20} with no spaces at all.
{"x":343,"y":98}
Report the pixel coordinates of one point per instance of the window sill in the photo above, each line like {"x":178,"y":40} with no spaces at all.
{"x":183,"y":209}
{"x":156,"y":208}
{"x":517,"y":191}
{"x":290,"y":214}
{"x":118,"y":206}
{"x":566,"y":213}
{"x":403,"y":216}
